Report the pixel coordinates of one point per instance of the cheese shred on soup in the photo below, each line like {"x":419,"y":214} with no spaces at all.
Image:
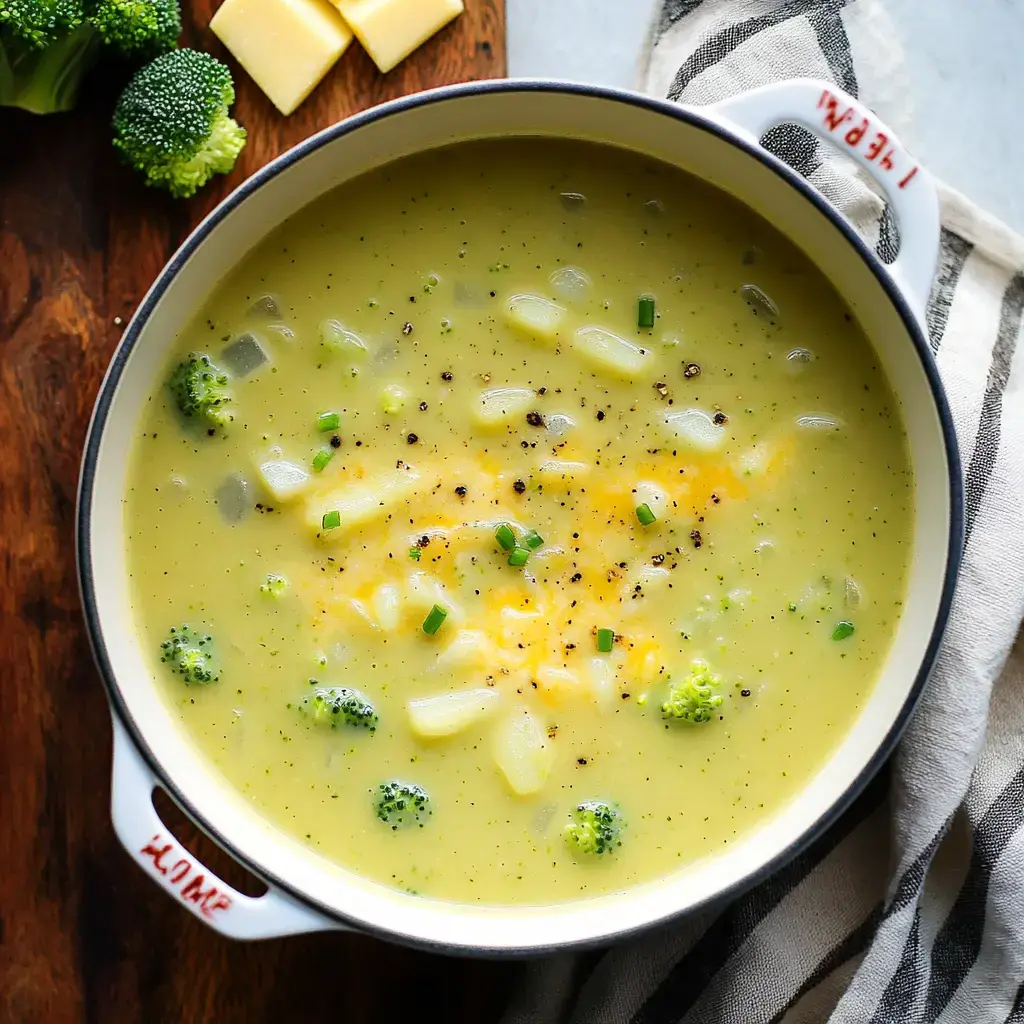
{"x":520,"y":522}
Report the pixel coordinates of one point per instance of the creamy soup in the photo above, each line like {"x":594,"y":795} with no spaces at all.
{"x":520,"y":522}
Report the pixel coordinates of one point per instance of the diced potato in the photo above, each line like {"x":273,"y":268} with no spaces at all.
{"x":500,"y":405}
{"x":283,"y":479}
{"x":393,"y":399}
{"x":654,"y":496}
{"x":523,"y":752}
{"x":287,"y":46}
{"x":517,"y":625}
{"x":558,"y":685}
{"x":468,"y":647}
{"x":607,"y":351}
{"x":423,"y":591}
{"x":336,"y":335}
{"x":555,"y":470}
{"x":387,"y":607}
{"x":391,"y":29}
{"x":450,"y":713}
{"x":361,"y":501}
{"x":695,"y":428}
{"x":535,"y":316}
{"x":601,"y":674}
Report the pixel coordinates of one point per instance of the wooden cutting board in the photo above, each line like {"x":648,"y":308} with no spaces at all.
{"x":84,"y":936}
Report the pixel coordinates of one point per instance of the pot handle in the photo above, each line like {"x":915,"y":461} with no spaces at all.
{"x":199,"y":890}
{"x":837,"y":117}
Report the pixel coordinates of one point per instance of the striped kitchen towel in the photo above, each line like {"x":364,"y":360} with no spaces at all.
{"x":911,"y":908}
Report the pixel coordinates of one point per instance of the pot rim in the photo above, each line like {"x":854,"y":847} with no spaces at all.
{"x":694,"y":118}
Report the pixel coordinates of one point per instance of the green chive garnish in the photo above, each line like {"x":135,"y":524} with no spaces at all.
{"x":843,"y":630}
{"x":645,"y":312}
{"x":414,"y":554}
{"x":605,"y":640}
{"x":518,"y":556}
{"x":432,"y":623}
{"x":645,"y":515}
{"x":505,"y":536}
{"x":533,"y":540}
{"x":331,"y":520}
{"x":321,"y":458}
{"x":328,"y":421}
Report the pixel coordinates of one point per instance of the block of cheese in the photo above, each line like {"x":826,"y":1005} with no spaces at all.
{"x":391,"y":29}
{"x":287,"y":46}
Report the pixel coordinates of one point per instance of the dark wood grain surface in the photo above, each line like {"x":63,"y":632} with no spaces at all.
{"x":84,"y":936}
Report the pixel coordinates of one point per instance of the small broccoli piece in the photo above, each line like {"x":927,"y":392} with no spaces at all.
{"x":402,"y":804}
{"x":274,"y":585}
{"x":200,"y":389}
{"x":138,"y":28}
{"x":693,"y":698}
{"x":594,"y":829}
{"x":172,"y":124}
{"x":342,"y":705}
{"x":188,"y":653}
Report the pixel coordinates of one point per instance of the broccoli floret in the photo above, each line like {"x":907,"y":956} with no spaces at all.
{"x":274,"y":585}
{"x":200,"y":389}
{"x":47,"y":46}
{"x":138,"y":28}
{"x":402,"y":804}
{"x":341,"y":705}
{"x":172,"y":122}
{"x":188,"y":653}
{"x":693,"y":698}
{"x":594,"y":829}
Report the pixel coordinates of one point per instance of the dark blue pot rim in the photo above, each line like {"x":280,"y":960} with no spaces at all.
{"x":674,"y":111}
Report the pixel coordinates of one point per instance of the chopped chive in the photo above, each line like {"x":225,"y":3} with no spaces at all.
{"x":414,"y":554}
{"x":533,"y":540}
{"x":331,"y":520}
{"x":645,"y":515}
{"x":432,"y":623}
{"x":505,"y":536}
{"x":518,"y":556}
{"x":321,"y":458}
{"x":328,"y":421}
{"x":605,"y":640}
{"x":645,"y":312}
{"x":843,"y":630}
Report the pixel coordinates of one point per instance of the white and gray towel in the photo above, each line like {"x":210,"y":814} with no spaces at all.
{"x":910,"y":910}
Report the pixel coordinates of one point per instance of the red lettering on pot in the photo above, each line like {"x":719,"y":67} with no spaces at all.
{"x":156,"y":853}
{"x":209,"y":899}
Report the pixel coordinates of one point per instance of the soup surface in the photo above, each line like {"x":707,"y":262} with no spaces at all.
{"x":475,"y":550}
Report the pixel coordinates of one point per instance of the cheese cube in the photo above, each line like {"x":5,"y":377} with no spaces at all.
{"x":391,"y":29}
{"x":286,"y":46}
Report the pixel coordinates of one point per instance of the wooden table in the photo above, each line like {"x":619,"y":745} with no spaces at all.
{"x":84,"y":936}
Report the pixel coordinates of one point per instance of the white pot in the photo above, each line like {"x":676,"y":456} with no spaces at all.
{"x":717,"y":143}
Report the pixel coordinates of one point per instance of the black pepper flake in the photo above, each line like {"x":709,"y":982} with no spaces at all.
{"x":335,"y":441}
{"x":542,"y":392}
{"x":576,"y":577}
{"x":581,"y":760}
{"x":211,"y":431}
{"x":662,"y":388}
{"x":535,"y":419}
{"x":696,"y":538}
{"x":715,"y":498}
{"x":423,"y":541}
{"x":600,"y":414}
{"x":744,"y":693}
{"x":447,"y":375}
{"x":412,"y":438}
{"x":460,"y":491}
{"x":657,"y":559}
{"x":624,"y":696}
{"x":423,"y":406}
{"x":519,"y":487}
{"x":691,"y":370}
{"x":720,"y":418}
{"x":407,"y":327}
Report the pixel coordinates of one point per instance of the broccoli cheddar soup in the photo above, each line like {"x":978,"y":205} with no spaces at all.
{"x":520,"y":522}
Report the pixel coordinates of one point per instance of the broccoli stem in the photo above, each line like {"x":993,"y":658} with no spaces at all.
{"x":46,"y":81}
